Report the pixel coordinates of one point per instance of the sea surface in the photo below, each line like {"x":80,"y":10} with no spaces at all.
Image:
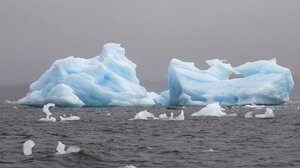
{"x":107,"y":138}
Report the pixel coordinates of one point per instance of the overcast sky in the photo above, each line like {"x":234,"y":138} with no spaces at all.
{"x":33,"y":34}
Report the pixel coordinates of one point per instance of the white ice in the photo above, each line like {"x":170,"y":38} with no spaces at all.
{"x":61,"y":149}
{"x":48,"y":117}
{"x":213,"y":109}
{"x":254,"y":106}
{"x":163,"y":116}
{"x":27,"y":147}
{"x":180,"y":116}
{"x":144,"y":115}
{"x":128,"y":166}
{"x":248,"y":114}
{"x":171,"y":116}
{"x":268,"y":114}
{"x":70,"y":118}
{"x":10,"y":102}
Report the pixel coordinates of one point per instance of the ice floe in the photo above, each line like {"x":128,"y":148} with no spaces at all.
{"x":268,"y":114}
{"x":61,"y":149}
{"x":48,"y":117}
{"x":27,"y":147}
{"x":180,"y":116}
{"x":248,"y":114}
{"x":69,"y":118}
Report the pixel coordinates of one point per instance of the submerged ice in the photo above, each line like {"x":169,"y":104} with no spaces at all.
{"x":263,"y":82}
{"x":105,"y":80}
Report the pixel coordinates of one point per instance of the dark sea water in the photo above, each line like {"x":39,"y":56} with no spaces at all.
{"x":115,"y":141}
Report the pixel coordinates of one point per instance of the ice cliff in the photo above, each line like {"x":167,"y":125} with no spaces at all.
{"x":105,"y":80}
{"x":263,"y":82}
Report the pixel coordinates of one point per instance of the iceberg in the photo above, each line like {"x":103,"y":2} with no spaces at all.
{"x":180,"y":117}
{"x":70,"y":118}
{"x":46,"y":110}
{"x":262,"y":82}
{"x":102,"y":81}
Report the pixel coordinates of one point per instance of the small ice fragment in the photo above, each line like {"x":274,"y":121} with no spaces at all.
{"x":163,"y":116}
{"x":213,"y":109}
{"x":232,"y":115}
{"x":108,"y":114}
{"x":298,"y":108}
{"x":268,"y":114}
{"x":180,"y":116}
{"x":144,"y":115}
{"x":48,"y":118}
{"x":248,"y":114}
{"x":71,"y":118}
{"x":10,"y":102}
{"x":27,"y":147}
{"x":128,"y":166}
{"x":73,"y":149}
{"x":15,"y":107}
{"x":209,"y":150}
{"x":171,"y":116}
{"x":61,"y":149}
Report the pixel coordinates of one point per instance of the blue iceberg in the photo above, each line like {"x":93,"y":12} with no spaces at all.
{"x":105,"y":80}
{"x":262,"y":82}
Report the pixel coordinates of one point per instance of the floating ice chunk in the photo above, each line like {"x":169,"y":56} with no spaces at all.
{"x":263,"y":82}
{"x":248,"y":114}
{"x":10,"y":102}
{"x":213,"y":109}
{"x":163,"y":116}
{"x":108,"y":114}
{"x":15,"y":107}
{"x":27,"y":147}
{"x":209,"y":150}
{"x":268,"y":114}
{"x":70,"y":118}
{"x":61,"y":149}
{"x":171,"y":116}
{"x":48,"y":118}
{"x":144,"y":115}
{"x":106,"y":80}
{"x":128,"y":166}
{"x":298,"y":108}
{"x":180,"y":116}
{"x":232,"y":115}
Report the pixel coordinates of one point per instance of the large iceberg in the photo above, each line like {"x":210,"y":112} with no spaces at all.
{"x":105,"y":80}
{"x":263,"y":82}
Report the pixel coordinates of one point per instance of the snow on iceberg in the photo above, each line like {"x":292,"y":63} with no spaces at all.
{"x":263,"y":82}
{"x":105,"y":80}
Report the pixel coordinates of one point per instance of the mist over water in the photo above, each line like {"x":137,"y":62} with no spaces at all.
{"x":114,"y":140}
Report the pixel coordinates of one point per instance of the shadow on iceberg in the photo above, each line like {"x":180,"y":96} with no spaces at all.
{"x":260,"y":82}
{"x":105,"y":80}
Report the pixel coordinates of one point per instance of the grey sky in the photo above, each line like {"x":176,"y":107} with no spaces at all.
{"x":33,"y":34}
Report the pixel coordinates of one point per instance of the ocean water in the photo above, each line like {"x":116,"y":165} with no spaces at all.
{"x":113,"y":141}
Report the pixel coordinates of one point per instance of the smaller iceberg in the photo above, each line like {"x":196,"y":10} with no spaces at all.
{"x":171,"y":116}
{"x":128,"y":166}
{"x":180,"y":117}
{"x":143,"y":115}
{"x":27,"y":147}
{"x":268,"y":114}
{"x":213,"y":109}
{"x":48,"y":118}
{"x":61,"y":149}
{"x":70,"y":118}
